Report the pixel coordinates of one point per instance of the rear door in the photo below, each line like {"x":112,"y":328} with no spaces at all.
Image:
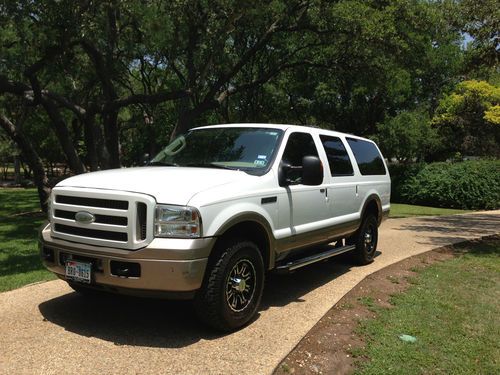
{"x":374,"y":177}
{"x":342,"y":193}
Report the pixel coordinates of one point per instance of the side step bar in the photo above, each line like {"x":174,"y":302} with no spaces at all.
{"x":293,"y":265}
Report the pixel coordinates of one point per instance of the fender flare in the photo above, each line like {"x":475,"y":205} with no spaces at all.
{"x":255,"y":218}
{"x":368,"y":200}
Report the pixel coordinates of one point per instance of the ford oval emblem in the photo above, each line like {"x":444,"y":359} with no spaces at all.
{"x":84,"y":217}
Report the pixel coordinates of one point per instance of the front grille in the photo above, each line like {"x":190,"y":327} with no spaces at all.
{"x":92,"y":202}
{"x":141,"y":220}
{"x":101,"y":219}
{"x":121,"y":219}
{"x":92,"y":233}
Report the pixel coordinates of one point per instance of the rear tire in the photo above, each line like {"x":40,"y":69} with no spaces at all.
{"x":232,"y":289}
{"x":365,"y":240}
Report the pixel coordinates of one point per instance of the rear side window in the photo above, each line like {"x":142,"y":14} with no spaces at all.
{"x":340,"y":164}
{"x":367,"y":156}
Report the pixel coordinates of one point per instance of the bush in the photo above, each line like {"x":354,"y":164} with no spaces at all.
{"x":466,"y":185}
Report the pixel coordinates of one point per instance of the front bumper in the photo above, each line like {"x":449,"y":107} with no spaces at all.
{"x":166,"y":266}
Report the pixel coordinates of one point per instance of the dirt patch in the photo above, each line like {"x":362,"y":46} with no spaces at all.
{"x":329,"y":346}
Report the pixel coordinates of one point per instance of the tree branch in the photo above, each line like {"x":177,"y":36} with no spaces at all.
{"x":148,"y":99}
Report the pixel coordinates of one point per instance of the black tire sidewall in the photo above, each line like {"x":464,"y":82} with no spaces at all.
{"x":362,"y":255}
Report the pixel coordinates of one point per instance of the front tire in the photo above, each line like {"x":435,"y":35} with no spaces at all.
{"x":366,"y":240}
{"x":232,"y":289}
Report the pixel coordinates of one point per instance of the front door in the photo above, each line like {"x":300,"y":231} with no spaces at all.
{"x":302,"y":208}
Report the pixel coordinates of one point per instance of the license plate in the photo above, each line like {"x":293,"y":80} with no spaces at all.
{"x":78,"y":271}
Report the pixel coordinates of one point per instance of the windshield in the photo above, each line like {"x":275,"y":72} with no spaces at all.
{"x":248,"y":149}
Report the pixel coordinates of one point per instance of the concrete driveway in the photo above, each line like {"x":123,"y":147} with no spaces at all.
{"x":48,"y":329}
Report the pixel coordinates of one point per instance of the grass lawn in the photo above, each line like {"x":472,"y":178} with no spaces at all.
{"x":20,"y":218}
{"x":406,"y":210}
{"x":453,"y":310}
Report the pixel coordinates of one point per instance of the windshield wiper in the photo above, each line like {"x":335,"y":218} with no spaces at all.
{"x":208,"y":165}
{"x":162,"y":164}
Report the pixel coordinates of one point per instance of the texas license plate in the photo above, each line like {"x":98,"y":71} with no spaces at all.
{"x":78,"y":271}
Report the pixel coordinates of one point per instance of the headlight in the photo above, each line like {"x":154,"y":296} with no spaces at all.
{"x":177,"y":221}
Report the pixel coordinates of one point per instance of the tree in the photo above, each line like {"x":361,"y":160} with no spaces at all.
{"x":377,"y":59}
{"x":481,"y":21}
{"x":468,"y":120}
{"x":407,"y":137}
{"x":89,"y":60}
{"x":7,"y":153}
{"x":15,"y":132}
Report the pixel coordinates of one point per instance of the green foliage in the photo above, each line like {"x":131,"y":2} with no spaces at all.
{"x":451,"y":309}
{"x":124,"y":75}
{"x":407,"y":136}
{"x":468,"y":119}
{"x":465,"y":185}
{"x":379,"y":60}
{"x":480,"y":20}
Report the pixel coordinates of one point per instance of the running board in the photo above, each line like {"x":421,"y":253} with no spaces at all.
{"x":293,"y":265}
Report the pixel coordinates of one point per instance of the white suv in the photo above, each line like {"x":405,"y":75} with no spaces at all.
{"x":214,"y":211}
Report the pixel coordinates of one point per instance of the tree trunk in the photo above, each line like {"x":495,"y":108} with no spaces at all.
{"x":111,"y":136}
{"x":31,"y":157}
{"x":63,"y":136}
{"x":91,"y":141}
{"x":184,"y":123}
{"x":17,"y":170}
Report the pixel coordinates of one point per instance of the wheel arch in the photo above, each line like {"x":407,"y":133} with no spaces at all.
{"x":372,"y":205}
{"x":250,"y":226}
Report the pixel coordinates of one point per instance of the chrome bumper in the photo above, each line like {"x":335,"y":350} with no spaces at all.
{"x":166,"y":265}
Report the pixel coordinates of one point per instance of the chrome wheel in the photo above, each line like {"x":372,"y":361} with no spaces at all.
{"x":240,"y":285}
{"x":369,"y":239}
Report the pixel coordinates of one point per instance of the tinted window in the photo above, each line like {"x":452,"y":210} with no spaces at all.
{"x":298,"y":146}
{"x":340,"y":164}
{"x":249,"y":149}
{"x":367,"y":156}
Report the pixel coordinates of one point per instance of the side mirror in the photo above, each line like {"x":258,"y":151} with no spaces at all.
{"x":283,"y":171}
{"x":309,"y":173}
{"x":312,"y":170}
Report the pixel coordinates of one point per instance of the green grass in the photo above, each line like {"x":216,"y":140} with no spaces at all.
{"x":452,"y":309}
{"x":20,"y":218}
{"x":406,"y":210}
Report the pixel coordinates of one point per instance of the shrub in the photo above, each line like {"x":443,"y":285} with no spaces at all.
{"x":466,"y":185}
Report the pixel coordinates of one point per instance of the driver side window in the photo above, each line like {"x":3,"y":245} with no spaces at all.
{"x":298,"y":146}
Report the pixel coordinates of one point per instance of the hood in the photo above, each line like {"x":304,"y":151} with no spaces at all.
{"x":171,"y":185}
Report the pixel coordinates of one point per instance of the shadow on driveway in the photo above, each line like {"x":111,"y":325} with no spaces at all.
{"x":456,"y":227}
{"x":171,"y":324}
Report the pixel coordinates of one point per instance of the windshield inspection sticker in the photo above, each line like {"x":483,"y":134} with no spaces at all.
{"x":260,"y":163}
{"x":262,"y":157}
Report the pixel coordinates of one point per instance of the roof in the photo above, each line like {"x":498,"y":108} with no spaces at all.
{"x":283,"y":127}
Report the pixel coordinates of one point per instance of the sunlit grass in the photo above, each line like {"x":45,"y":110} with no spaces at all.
{"x":452,"y":309}
{"x":406,"y":210}
{"x":20,"y":217}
